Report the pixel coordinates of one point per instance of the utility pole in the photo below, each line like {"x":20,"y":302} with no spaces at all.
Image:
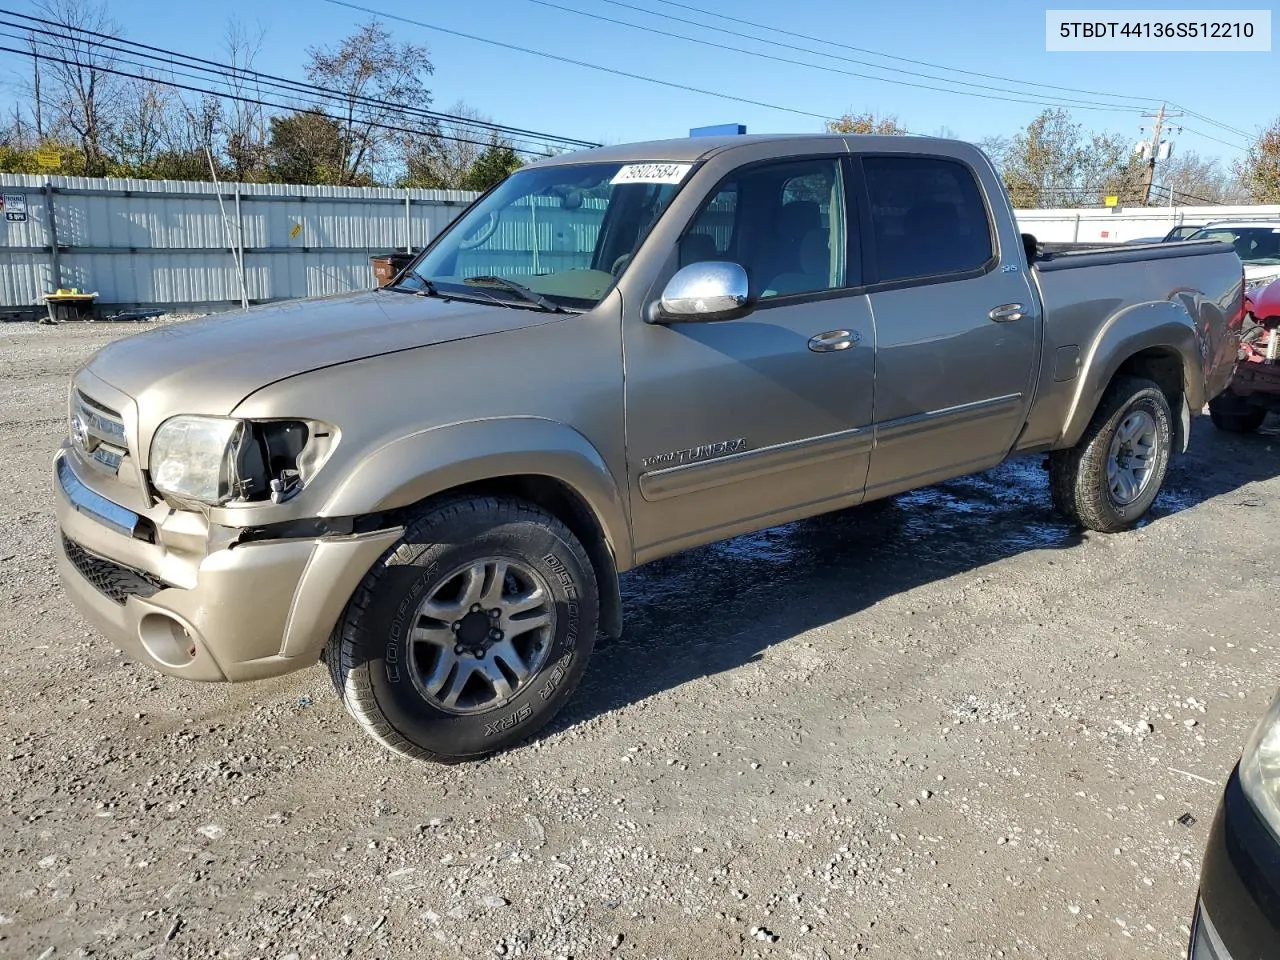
{"x":35,"y":59}
{"x":1152,"y":150}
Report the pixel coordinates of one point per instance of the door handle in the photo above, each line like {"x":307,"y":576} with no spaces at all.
{"x":1006,"y":312}
{"x":833,"y":340}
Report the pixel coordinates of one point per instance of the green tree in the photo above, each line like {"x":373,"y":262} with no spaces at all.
{"x":306,"y":148}
{"x":495,"y":164}
{"x":1260,"y":169}
{"x":1056,"y":163}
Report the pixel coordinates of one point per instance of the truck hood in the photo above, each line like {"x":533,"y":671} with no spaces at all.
{"x":210,"y":365}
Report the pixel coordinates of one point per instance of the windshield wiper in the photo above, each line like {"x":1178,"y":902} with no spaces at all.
{"x":518,"y":289}
{"x":428,"y":288}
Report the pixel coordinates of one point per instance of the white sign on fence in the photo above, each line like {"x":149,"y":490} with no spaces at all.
{"x":14,"y":206}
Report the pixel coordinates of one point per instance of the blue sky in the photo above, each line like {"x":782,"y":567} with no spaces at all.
{"x":1002,"y":37}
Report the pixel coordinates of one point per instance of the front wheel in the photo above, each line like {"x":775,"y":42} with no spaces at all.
{"x":1111,"y":478}
{"x":470,"y":633}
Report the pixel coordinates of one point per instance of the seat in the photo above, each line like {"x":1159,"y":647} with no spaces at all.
{"x":697,"y":248}
{"x":931,"y":242}
{"x":780,"y":254}
{"x":815,"y":268}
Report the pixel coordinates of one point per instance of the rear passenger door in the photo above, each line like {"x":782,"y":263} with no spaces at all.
{"x":956,"y":321}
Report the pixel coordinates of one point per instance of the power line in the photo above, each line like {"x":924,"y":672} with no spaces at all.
{"x":774,"y":42}
{"x":875,"y":53}
{"x":577,"y":63}
{"x":516,"y":143}
{"x":773,"y":30}
{"x":815,"y":66}
{"x":121,"y":45}
{"x":1217,"y":123}
{"x":257,"y":101}
{"x":216,"y":93}
{"x":1198,"y":133}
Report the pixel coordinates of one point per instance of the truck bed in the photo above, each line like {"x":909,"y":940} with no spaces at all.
{"x":1091,"y":294}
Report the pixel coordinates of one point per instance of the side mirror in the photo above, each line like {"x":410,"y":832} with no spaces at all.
{"x":703,"y":292}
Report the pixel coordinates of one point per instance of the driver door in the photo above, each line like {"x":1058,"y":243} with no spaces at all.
{"x":737,"y":425}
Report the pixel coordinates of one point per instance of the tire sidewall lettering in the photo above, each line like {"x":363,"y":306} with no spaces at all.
{"x":395,"y":653}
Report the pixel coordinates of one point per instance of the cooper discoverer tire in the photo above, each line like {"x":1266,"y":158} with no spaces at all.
{"x":1110,"y":479}
{"x":470,"y":633}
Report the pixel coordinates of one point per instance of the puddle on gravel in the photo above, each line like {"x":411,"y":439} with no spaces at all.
{"x":844,"y":561}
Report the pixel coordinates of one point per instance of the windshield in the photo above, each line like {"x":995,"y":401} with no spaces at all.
{"x":556,"y":236}
{"x":1253,"y":244}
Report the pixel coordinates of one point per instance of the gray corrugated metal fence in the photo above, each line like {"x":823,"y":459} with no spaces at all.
{"x":170,"y":243}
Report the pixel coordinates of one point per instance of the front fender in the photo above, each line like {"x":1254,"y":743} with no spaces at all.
{"x":1165,"y":325}
{"x":429,"y":462}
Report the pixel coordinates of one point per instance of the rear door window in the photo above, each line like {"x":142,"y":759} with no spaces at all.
{"x":928,"y":218}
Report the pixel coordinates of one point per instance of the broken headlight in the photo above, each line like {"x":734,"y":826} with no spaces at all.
{"x":218,"y":460}
{"x":1260,"y":767}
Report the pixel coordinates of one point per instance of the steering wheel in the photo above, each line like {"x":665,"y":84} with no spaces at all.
{"x":618,"y":264}
{"x":481,"y":235}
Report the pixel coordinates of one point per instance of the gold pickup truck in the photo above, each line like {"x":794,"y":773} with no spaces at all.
{"x":610,"y":357}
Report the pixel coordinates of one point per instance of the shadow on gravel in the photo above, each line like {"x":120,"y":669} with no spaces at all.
{"x":717,"y":607}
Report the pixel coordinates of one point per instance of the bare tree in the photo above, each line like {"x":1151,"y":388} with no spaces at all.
{"x":77,"y":85}
{"x":1189,"y":178}
{"x":190,"y":132}
{"x":997,"y":148}
{"x":142,"y":125}
{"x":866,"y":123}
{"x":443,"y":158}
{"x":246,"y":127}
{"x":372,"y":80}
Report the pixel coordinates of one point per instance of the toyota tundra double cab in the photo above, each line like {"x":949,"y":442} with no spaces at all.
{"x":610,"y":357}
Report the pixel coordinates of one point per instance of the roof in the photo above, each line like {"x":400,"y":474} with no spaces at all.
{"x":1241,"y":224}
{"x":693,"y":149}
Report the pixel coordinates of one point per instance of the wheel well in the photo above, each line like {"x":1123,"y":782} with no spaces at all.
{"x":565,"y":504}
{"x":1164,"y":368}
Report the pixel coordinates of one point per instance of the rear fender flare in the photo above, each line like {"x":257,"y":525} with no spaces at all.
{"x":1166,"y":325}
{"x":430,"y":462}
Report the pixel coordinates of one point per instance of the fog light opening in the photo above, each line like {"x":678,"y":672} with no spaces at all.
{"x":167,"y":640}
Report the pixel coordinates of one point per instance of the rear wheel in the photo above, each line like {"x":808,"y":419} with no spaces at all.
{"x":1234,"y":414}
{"x":1111,"y":478}
{"x":470,"y":633}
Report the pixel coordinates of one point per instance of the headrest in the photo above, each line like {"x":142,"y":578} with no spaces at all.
{"x":799,"y":217}
{"x":698,"y":247}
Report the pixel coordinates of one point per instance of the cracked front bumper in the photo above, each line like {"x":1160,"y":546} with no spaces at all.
{"x":241,"y":612}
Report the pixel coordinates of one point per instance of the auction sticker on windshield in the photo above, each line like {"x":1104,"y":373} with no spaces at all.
{"x":652,"y":173}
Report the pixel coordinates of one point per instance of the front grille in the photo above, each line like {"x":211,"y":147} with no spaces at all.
{"x":113,"y":581}
{"x":97,"y":432}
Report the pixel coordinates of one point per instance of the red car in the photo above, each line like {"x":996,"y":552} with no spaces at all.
{"x":1255,"y":387}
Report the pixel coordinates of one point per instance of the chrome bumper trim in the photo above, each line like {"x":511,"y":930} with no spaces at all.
{"x":93,"y":504}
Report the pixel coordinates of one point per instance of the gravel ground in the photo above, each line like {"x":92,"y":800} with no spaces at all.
{"x":956,"y":729}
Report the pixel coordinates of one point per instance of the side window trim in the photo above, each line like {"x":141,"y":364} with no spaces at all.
{"x":871,"y":266}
